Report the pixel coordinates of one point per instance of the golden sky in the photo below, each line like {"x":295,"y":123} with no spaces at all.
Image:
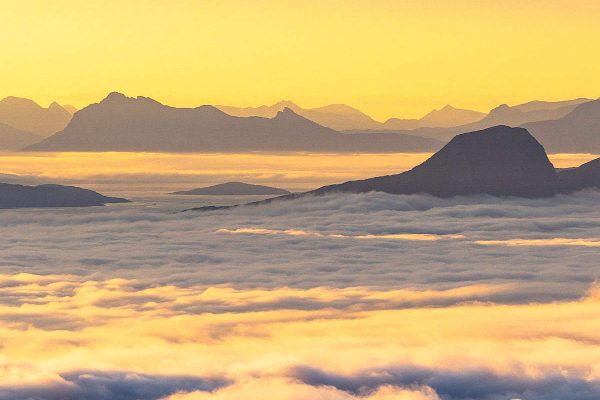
{"x":385,"y":57}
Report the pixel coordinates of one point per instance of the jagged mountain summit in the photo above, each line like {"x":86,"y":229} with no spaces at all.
{"x":235,"y":189}
{"x":335,"y":116}
{"x":120,"y":123}
{"x":21,"y":196}
{"x":26,"y":115}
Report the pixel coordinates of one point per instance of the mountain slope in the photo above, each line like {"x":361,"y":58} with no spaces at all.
{"x":577,"y":132}
{"x":14,"y":139}
{"x":26,"y":115}
{"x":582,"y":177}
{"x":120,"y":123}
{"x":20,"y":196}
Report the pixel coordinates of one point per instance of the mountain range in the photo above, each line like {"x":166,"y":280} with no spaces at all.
{"x":120,"y":123}
{"x":26,"y":115}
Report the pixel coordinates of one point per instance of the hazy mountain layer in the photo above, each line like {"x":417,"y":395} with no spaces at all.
{"x":334,"y":116}
{"x":577,"y":132}
{"x":444,"y":118}
{"x":15,"y":139}
{"x":27,"y":115}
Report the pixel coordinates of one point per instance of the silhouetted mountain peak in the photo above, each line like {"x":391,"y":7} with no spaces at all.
{"x":287,"y":113}
{"x":502,"y":108}
{"x":115,"y":97}
{"x":500,"y":161}
{"x":286,"y":104}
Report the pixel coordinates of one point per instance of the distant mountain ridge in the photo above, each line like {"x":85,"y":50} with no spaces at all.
{"x":120,"y":123}
{"x":26,"y":115}
{"x":234,"y":189}
{"x":335,"y":116}
{"x":539,"y":114}
{"x":443,"y":118}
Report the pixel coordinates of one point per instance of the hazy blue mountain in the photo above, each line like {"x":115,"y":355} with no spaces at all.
{"x":20,"y":196}
{"x":15,"y":139}
{"x":234,"y":189}
{"x":120,"y":123}
{"x":577,"y":132}
{"x":27,"y":115}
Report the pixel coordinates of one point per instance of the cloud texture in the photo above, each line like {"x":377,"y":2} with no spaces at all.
{"x":369,"y":296}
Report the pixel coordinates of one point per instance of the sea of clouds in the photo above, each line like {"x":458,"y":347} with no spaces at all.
{"x":363,"y":296}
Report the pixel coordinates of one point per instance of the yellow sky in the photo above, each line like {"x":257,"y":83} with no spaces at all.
{"x":387,"y":57}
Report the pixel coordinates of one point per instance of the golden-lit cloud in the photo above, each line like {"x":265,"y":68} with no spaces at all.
{"x":593,"y":242}
{"x":128,"y":337}
{"x":296,"y":232}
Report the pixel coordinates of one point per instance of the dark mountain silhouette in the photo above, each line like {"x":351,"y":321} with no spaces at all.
{"x":585,"y":176}
{"x":577,"y":132}
{"x":27,"y":115}
{"x":444,"y":118}
{"x":334,"y":116}
{"x":235,"y":189}
{"x":19,"y":196}
{"x":120,"y":123}
{"x":14,"y":139}
{"x":498,"y":161}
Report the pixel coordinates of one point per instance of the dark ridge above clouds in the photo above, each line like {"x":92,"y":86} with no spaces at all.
{"x":234,"y":189}
{"x":20,"y":196}
{"x":120,"y":123}
{"x":499,"y":161}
